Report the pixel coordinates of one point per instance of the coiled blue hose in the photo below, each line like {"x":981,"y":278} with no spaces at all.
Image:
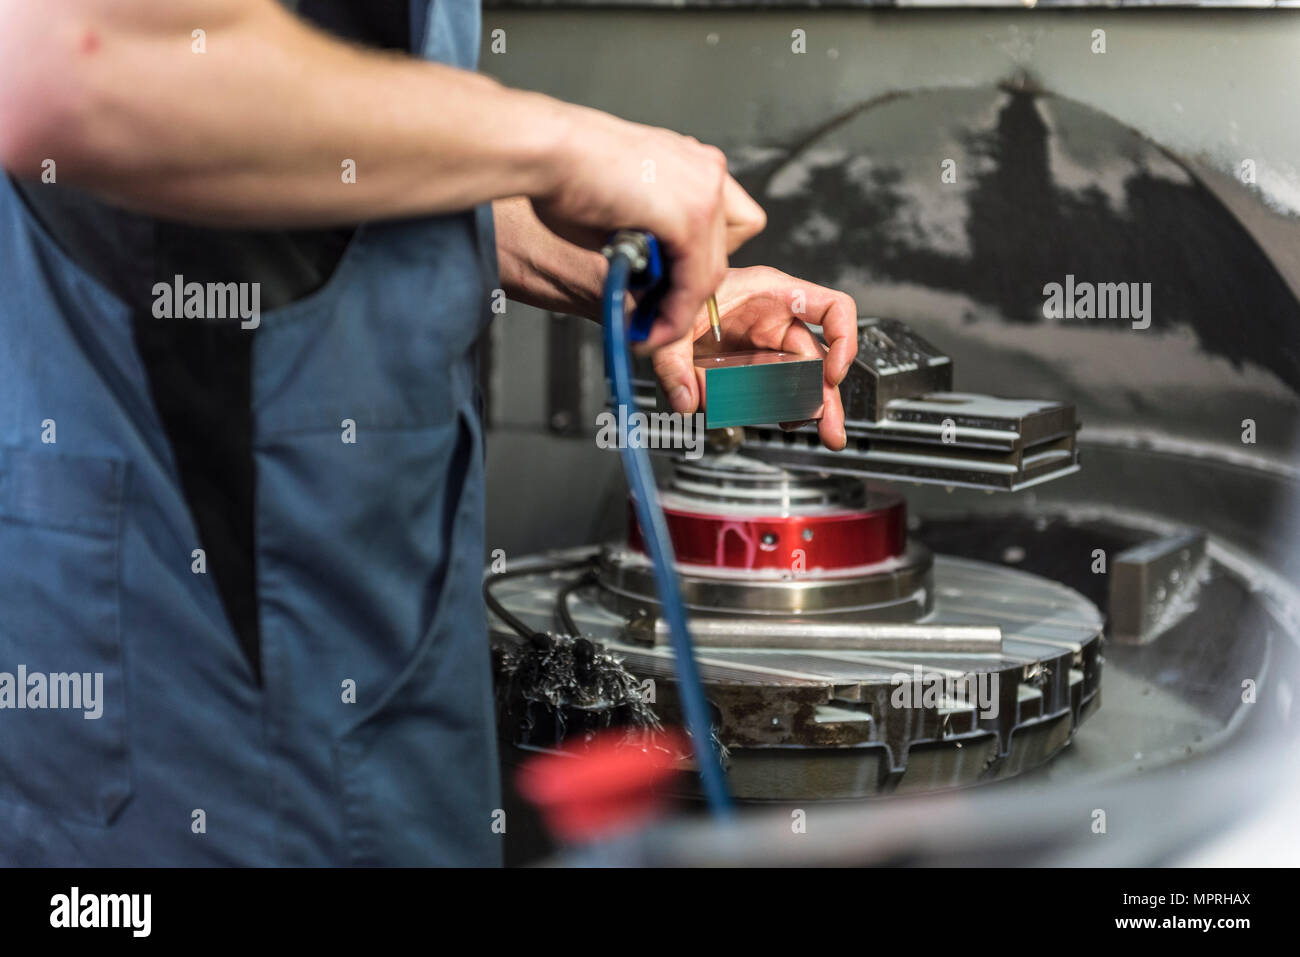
{"x":654,"y":531}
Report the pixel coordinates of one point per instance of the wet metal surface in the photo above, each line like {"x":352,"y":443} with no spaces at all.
{"x":1022,"y":701}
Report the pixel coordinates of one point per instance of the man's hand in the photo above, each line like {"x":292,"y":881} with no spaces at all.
{"x":615,"y":174}
{"x":758,"y":312}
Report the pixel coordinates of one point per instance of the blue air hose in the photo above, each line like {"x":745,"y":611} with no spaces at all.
{"x":634,"y":262}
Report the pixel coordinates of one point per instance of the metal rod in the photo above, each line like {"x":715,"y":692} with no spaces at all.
{"x":839,"y":636}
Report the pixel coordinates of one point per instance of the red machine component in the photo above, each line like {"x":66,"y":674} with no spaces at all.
{"x":602,"y":787}
{"x":828,"y":539}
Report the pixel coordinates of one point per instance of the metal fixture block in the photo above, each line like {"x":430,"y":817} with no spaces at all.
{"x":893,"y":362}
{"x":1152,"y":586}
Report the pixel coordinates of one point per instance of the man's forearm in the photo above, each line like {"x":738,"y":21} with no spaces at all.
{"x":262,"y":127}
{"x":541,"y":269}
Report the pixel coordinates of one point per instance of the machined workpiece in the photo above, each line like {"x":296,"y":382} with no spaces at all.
{"x":759,"y":388}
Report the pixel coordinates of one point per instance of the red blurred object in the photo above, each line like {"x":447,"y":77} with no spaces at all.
{"x":602,"y":787}
{"x":829,"y":540}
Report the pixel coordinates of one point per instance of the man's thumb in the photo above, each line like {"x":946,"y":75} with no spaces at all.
{"x":675,"y":368}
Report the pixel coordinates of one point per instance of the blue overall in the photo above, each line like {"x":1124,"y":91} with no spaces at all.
{"x":368,"y":457}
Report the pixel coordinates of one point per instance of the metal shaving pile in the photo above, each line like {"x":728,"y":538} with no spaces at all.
{"x":570,"y":686}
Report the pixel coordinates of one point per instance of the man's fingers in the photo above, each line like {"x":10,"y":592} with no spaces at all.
{"x":745,"y":218}
{"x":674,"y":366}
{"x":799,"y":339}
{"x":677,"y":314}
{"x":839,"y":322}
{"x":699,"y":272}
{"x":831,"y":426}
{"x":702,"y":250}
{"x":696,"y":275}
{"x":838,"y":318}
{"x":837,"y":314}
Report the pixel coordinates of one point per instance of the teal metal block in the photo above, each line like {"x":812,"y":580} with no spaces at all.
{"x":759,"y":388}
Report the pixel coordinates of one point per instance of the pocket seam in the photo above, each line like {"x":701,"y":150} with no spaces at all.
{"x":99,"y":802}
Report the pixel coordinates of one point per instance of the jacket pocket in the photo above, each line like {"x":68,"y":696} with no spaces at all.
{"x":63,"y":742}
{"x":417,"y":771}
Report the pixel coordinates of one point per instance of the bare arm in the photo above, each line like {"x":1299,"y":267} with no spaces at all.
{"x":255,"y":130}
{"x":540,"y":268}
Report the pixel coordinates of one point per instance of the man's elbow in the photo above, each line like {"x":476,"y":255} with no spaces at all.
{"x":26,"y":139}
{"x":45,"y":95}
